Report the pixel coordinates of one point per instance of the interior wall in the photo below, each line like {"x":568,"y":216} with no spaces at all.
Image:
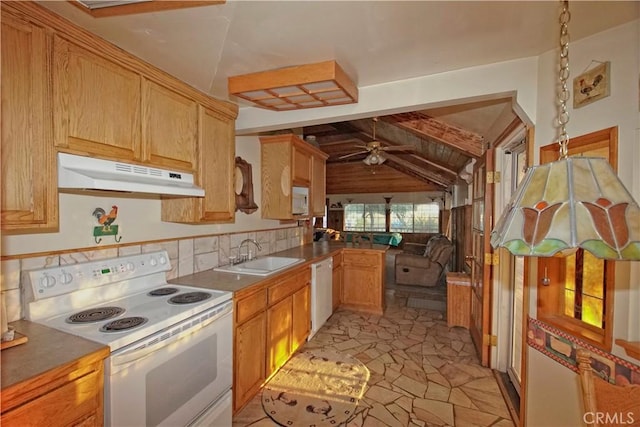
{"x":552,"y":393}
{"x":138,"y":218}
{"x":492,"y":81}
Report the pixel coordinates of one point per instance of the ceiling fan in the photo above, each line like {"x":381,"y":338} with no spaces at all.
{"x":376,"y":149}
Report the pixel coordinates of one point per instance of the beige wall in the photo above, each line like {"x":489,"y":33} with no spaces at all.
{"x":552,"y":395}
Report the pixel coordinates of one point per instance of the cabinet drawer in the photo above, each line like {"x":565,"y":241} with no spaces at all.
{"x":247,"y":307}
{"x":370,"y":260}
{"x":66,"y":405}
{"x":289,"y":286}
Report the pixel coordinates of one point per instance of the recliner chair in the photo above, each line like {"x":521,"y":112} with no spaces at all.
{"x":427,"y":269}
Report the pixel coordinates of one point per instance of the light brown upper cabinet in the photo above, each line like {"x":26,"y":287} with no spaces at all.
{"x":169,"y":127}
{"x":287,"y":162}
{"x":318,"y":185}
{"x":215,"y":173}
{"x":29,"y":193}
{"x":96,"y":104}
{"x":64,"y":89}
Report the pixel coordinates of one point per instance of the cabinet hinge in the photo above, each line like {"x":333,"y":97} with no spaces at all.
{"x":491,"y":259}
{"x":493,"y":177}
{"x":491,"y":340}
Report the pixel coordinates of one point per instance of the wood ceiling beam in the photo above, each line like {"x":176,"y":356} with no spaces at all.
{"x":418,"y":171}
{"x":434,"y":164}
{"x":466,"y":142}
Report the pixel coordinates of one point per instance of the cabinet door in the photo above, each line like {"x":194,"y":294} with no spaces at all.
{"x":75,"y":403}
{"x":276,"y":180}
{"x":169,"y":130}
{"x":318,"y":187}
{"x":217,"y":166}
{"x":279,"y":320}
{"x":96,"y":104}
{"x":362,"y":281}
{"x":249,"y":363}
{"x":216,"y":141}
{"x":301,"y":167}
{"x":29,"y":190}
{"x":337,"y":287}
{"x":301,"y":317}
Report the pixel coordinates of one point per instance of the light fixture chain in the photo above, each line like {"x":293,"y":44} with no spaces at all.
{"x":563,"y":93}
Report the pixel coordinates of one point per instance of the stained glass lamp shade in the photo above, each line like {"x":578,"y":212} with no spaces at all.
{"x":575,"y":202}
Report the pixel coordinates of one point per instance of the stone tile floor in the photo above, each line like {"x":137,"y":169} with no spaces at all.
{"x":423,"y":373}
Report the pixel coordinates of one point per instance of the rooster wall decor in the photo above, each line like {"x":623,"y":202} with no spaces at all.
{"x":591,"y":85}
{"x":106,"y":221}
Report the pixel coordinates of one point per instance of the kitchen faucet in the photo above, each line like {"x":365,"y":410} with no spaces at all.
{"x":248,"y":255}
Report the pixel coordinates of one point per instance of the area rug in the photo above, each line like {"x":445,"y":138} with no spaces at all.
{"x":316,"y":387}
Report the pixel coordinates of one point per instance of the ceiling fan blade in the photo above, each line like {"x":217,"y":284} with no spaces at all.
{"x":353,"y":154}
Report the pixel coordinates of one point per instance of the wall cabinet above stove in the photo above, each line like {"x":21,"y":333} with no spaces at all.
{"x":66,"y":89}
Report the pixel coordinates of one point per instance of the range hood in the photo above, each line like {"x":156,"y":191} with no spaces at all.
{"x":86,"y":173}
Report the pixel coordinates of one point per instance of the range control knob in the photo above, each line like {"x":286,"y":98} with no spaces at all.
{"x":130,"y":266}
{"x":153,"y":261}
{"x":163,"y":260}
{"x":47,"y":281}
{"x":66,"y":278}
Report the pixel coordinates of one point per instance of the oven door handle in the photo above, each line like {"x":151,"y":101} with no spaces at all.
{"x":129,"y":356}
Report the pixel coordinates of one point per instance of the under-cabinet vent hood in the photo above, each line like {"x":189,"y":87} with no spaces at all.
{"x":86,"y":173}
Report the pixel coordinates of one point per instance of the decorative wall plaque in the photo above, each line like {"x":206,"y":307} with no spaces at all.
{"x":244,"y":187}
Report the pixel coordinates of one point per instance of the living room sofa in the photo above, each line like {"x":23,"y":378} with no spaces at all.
{"x":423,"y":265}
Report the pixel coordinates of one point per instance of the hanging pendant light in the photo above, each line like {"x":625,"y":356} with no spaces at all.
{"x":574,"y":202}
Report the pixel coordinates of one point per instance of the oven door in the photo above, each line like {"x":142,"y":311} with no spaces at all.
{"x":173,"y":376}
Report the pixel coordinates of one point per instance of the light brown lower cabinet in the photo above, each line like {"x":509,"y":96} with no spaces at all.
{"x":301,"y":312}
{"x":71,"y":396}
{"x":273,"y":317}
{"x":249,"y":356}
{"x":363,"y":280}
{"x":336,"y":290}
{"x":279,"y":321}
{"x":272,"y":322}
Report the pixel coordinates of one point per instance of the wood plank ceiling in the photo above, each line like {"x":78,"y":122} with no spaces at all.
{"x":441,"y":143}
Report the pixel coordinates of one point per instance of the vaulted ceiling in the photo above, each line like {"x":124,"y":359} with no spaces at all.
{"x":436,"y":146}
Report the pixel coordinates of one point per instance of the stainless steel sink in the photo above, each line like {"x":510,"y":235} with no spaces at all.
{"x":263,"y":266}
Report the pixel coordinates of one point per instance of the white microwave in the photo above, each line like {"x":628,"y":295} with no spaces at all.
{"x":300,"y":201}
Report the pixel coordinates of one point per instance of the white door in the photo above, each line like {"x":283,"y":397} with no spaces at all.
{"x":509,"y":278}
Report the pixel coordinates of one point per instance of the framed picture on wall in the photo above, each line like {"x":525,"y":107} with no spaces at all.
{"x":592,"y":85}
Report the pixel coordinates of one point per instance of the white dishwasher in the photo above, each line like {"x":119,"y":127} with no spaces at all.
{"x":321,"y":294}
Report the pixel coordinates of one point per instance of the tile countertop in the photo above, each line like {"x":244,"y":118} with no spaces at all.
{"x":312,"y":252}
{"x":46,"y":349}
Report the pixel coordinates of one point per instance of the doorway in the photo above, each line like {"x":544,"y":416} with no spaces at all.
{"x":509,"y":281}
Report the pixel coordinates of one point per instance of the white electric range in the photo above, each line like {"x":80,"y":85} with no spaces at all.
{"x":171,"y":345}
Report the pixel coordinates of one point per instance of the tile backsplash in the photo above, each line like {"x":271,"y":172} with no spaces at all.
{"x":188,"y":256}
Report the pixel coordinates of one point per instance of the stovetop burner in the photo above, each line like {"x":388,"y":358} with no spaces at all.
{"x":162,"y":292}
{"x":95,"y":314}
{"x":123,"y":324}
{"x":189,"y":297}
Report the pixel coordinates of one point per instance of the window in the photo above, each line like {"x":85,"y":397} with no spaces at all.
{"x":415,"y":217}
{"x":364,"y":217}
{"x":577,"y":295}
